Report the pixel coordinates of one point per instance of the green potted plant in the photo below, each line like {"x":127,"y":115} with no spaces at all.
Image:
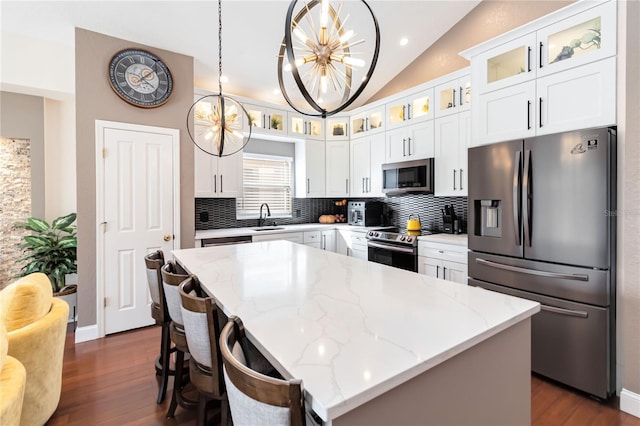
{"x":50,"y":249}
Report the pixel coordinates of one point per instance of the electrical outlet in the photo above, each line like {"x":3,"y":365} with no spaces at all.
{"x":298,"y":214}
{"x":204,"y":217}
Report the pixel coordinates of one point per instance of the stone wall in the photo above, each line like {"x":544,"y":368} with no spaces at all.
{"x":15,"y":202}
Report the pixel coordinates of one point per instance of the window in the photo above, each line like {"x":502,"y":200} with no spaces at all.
{"x":265,"y":179}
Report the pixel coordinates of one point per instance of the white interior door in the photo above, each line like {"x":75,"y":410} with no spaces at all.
{"x":138,"y":202}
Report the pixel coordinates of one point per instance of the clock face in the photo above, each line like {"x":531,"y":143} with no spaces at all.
{"x":140,"y":78}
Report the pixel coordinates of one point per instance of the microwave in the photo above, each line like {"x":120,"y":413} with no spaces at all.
{"x":408,"y":176}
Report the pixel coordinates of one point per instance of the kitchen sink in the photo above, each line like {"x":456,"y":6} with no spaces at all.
{"x":268,"y":228}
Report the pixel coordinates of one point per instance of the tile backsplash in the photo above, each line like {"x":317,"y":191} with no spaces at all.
{"x":217,"y":213}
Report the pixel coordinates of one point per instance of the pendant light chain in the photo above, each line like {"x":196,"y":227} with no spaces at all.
{"x":220,"y":46}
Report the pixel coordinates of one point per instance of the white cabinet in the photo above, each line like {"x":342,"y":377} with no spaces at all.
{"x":328,"y":240}
{"x":411,"y":142}
{"x":352,"y":243}
{"x":312,"y":238}
{"x":337,"y":128}
{"x":410,"y":109}
{"x":453,"y":96}
{"x":295,"y":237}
{"x":337,"y":170}
{"x":306,"y":127}
{"x":368,"y":122}
{"x":555,"y":74}
{"x":442,"y":260}
{"x":310,"y":169}
{"x":215,"y":177}
{"x":367,"y":157}
{"x":453,"y":136}
{"x":267,"y":120}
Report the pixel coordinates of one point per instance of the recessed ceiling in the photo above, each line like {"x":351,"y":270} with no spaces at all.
{"x":251,"y":35}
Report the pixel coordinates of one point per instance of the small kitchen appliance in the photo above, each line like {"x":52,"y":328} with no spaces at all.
{"x":413,"y":224}
{"x":364,"y":213}
{"x":450,"y":222}
{"x":408,"y":176}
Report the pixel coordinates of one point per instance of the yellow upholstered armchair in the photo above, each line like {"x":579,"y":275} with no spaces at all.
{"x":36,"y":326}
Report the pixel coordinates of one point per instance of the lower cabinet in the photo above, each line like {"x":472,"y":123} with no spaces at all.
{"x":442,"y":260}
{"x":352,"y":243}
{"x":328,"y":240}
{"x":295,"y":237}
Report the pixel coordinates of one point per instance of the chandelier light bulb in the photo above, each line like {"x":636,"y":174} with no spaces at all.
{"x":356,"y":62}
{"x":300,"y":34}
{"x":324,"y":16}
{"x":347,"y":36}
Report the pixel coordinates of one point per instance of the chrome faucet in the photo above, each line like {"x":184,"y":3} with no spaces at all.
{"x":260,"y":218}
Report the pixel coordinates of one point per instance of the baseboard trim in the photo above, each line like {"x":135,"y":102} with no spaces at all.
{"x":84,"y":334}
{"x":630,"y":402}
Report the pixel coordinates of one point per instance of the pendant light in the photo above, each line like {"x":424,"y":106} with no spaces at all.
{"x":217,"y":126}
{"x":322,"y":56}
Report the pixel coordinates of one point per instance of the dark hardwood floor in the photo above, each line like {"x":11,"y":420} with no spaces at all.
{"x":112,"y":381}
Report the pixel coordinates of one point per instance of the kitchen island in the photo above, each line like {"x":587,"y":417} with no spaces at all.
{"x":374,"y":344}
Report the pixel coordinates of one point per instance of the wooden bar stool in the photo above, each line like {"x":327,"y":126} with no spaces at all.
{"x":160,"y":314}
{"x":172,"y":276}
{"x":201,"y":326}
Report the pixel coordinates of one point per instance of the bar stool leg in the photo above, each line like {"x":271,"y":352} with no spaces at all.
{"x":165,"y":363}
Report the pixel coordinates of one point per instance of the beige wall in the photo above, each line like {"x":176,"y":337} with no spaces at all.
{"x":95,"y":100}
{"x":487,"y":20}
{"x":629,"y":145}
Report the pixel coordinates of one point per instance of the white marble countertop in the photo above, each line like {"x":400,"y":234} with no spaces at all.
{"x":457,"y":239}
{"x":234,"y":232}
{"x":350,"y":329}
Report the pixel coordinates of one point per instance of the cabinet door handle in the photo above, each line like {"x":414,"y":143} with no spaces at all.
{"x":346,"y":132}
{"x":221,"y":190}
{"x":528,"y":115}
{"x":409,"y":145}
{"x":404,"y":113}
{"x":460,"y":94}
{"x":437,"y":271}
{"x":404,"y":147}
{"x":324,"y":242}
{"x":368,"y":185}
{"x":308,"y":185}
{"x":346,"y":186}
{"x":409,"y":111}
{"x":264,"y":121}
{"x":460,"y":179}
{"x":363,"y":187}
{"x":215,"y":183}
{"x":454,"y":98}
{"x":454,"y":179}
{"x":444,"y":273}
{"x":540,"y":58}
{"x":528,"y":58}
{"x":540,"y":111}
{"x":366,"y":123}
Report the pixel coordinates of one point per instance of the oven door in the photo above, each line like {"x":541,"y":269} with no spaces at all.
{"x":392,"y":255}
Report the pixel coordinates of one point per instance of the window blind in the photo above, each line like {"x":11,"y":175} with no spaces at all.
{"x":265,"y":179}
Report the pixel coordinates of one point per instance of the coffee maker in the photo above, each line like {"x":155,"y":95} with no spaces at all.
{"x":451,"y":224}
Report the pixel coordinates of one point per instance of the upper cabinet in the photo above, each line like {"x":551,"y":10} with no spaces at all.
{"x":310,"y":169}
{"x":337,"y":128}
{"x":267,"y":120}
{"x":555,"y":74}
{"x":369,"y":121}
{"x":306,"y":127}
{"x":453,"y":96}
{"x":410,"y":109}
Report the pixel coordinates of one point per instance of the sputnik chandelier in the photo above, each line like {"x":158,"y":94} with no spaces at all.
{"x":217,"y":127}
{"x":322,"y":55}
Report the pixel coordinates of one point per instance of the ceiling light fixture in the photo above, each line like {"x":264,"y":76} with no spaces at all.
{"x":404,"y":41}
{"x":217,"y":124}
{"x":317,"y":53}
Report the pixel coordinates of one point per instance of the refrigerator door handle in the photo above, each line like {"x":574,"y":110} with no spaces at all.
{"x":526,"y":193}
{"x":516,"y":196}
{"x":561,"y":311}
{"x":510,"y":268}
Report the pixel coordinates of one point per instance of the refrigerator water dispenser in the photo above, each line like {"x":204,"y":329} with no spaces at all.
{"x":490,"y":218}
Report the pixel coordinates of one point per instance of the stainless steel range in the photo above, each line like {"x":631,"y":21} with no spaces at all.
{"x":394,"y":248}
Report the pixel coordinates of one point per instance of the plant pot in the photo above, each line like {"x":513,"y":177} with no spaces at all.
{"x":70,"y":295}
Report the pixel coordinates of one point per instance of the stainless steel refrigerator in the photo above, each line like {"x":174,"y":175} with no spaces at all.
{"x":542,"y":218}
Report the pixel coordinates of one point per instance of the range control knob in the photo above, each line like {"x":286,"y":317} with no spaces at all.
{"x":409,"y":239}
{"x":402,"y":237}
{"x":370,"y":233}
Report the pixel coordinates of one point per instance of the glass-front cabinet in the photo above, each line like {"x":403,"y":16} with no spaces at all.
{"x":306,"y":127}
{"x":586,"y":37}
{"x":368,"y":122}
{"x":267,"y":120}
{"x":453,"y":96}
{"x":337,"y":128}
{"x":410,"y":109}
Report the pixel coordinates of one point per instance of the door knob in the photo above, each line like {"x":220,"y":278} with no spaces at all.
{"x":167,"y":237}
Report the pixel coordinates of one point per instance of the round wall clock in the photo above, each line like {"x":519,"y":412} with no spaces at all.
{"x":140,"y":78}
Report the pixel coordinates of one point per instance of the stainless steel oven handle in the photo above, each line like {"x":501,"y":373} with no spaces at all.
{"x":570,"y":312}
{"x":390,"y":247}
{"x":576,"y":277}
